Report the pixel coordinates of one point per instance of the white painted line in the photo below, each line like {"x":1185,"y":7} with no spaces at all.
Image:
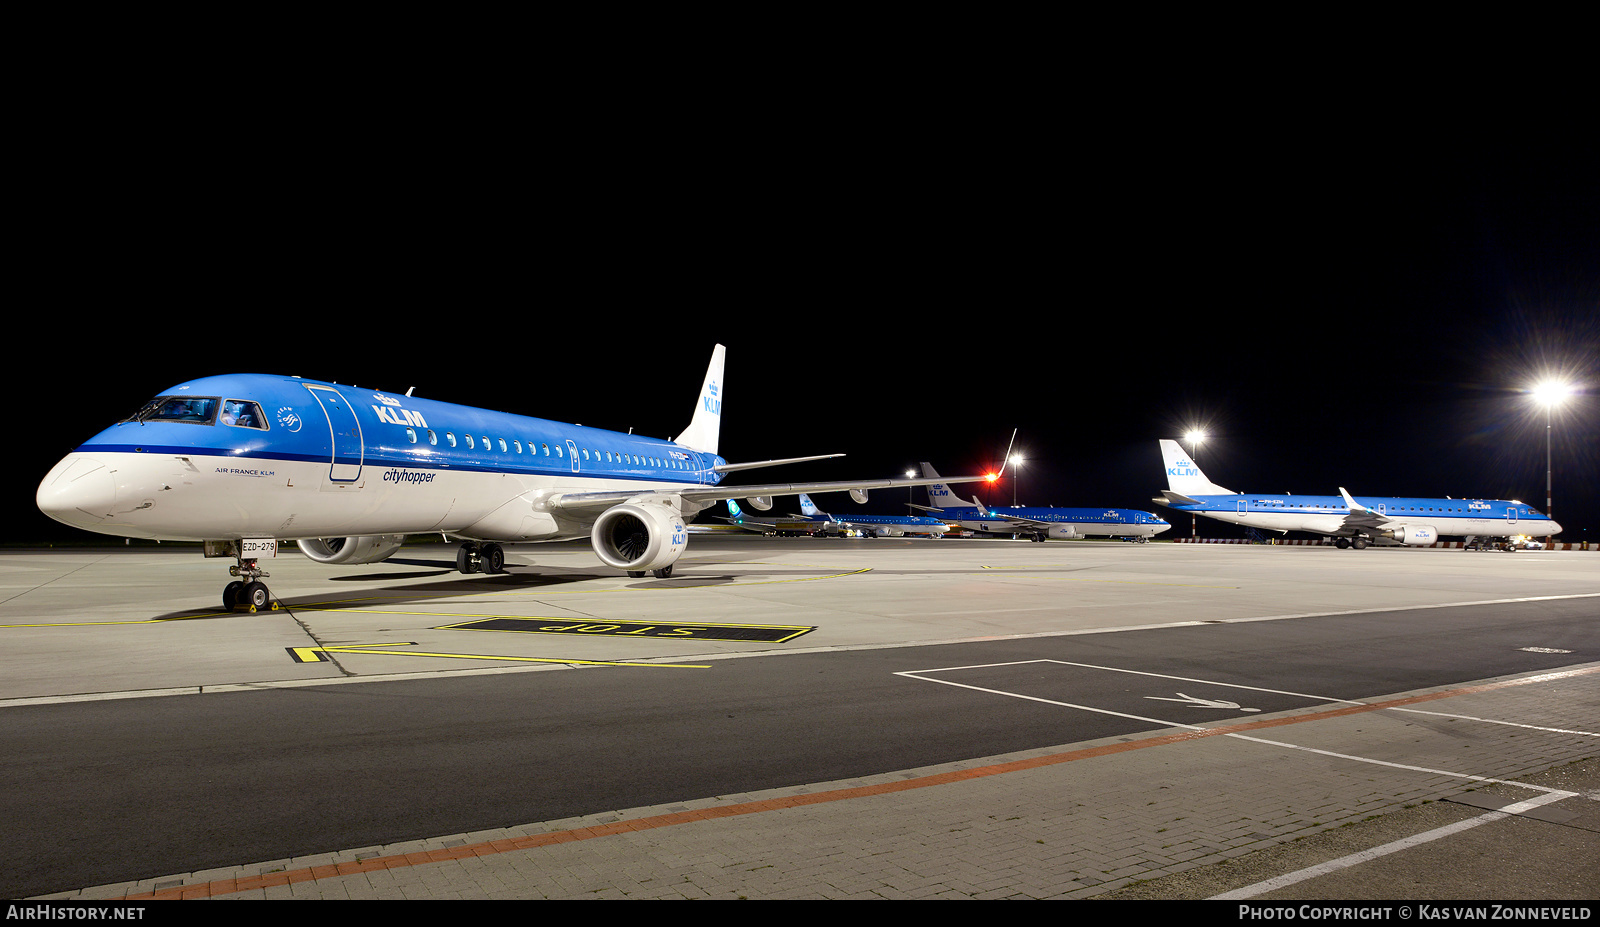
{"x":1261,"y":888}
{"x":1531,"y":727}
{"x":1115,"y":669}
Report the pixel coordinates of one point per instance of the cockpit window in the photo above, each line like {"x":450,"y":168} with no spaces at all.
{"x":242,"y":413}
{"x":193,"y":410}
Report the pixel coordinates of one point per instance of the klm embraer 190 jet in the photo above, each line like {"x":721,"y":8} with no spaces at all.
{"x":243,"y":461}
{"x":1352,"y":522}
{"x":814,"y":520}
{"x":1040,"y":523}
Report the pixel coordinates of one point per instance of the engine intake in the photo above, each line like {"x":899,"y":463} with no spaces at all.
{"x":639,"y":536}
{"x":368,"y":548}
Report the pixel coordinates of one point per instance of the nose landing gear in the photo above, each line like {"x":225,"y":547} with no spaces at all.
{"x":249,"y":591}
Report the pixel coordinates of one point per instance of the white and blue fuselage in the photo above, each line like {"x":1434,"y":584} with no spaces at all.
{"x":240,"y":456}
{"x":1039,"y":523}
{"x":243,"y":461}
{"x":1068,"y":523}
{"x":1351,"y":520}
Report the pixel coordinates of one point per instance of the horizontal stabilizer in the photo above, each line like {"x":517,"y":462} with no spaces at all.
{"x":731,"y":467}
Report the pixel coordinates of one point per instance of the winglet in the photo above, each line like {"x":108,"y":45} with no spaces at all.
{"x":701,"y":435}
{"x":1355,"y":506}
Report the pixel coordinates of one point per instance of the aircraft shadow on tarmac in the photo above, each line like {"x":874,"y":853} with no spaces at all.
{"x":512,"y":580}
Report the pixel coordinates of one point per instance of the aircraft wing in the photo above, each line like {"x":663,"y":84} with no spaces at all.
{"x":1168,"y":497}
{"x":1014,"y":520}
{"x":581,"y":503}
{"x":1360,"y":516}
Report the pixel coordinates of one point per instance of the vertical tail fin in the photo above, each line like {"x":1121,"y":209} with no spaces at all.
{"x":940,"y":495}
{"x":1183,"y":476}
{"x":704,"y":427}
{"x":807,"y":507}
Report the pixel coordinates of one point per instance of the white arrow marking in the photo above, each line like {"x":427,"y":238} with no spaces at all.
{"x":1193,"y":702}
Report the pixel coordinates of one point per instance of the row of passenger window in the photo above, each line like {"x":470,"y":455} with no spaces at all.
{"x":557,"y":451}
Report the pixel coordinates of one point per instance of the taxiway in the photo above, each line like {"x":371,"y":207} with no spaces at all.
{"x":796,"y":718}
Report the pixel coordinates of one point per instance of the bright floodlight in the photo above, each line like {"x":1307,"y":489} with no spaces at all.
{"x":1195,"y":437}
{"x":1551,"y":393}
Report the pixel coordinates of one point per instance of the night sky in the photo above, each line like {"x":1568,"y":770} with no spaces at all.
{"x":1332,"y":309}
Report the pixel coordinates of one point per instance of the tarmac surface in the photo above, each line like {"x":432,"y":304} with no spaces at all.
{"x":809,"y":719}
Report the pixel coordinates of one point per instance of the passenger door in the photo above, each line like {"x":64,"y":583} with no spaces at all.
{"x":348,"y":449}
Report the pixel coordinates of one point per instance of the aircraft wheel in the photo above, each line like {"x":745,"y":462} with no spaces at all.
{"x":1341,"y":543}
{"x":635,"y":574}
{"x":255,"y":596}
{"x":493,"y":558}
{"x":1359,"y":543}
{"x":467,"y":558}
{"x":664,"y":572}
{"x":230,"y":595}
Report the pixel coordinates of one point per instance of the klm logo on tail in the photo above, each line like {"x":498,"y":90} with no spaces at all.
{"x":713,"y":404}
{"x":1183,"y":468}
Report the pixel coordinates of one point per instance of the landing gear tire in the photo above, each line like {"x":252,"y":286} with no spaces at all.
{"x":480,"y":558}
{"x":1342,"y":543}
{"x":255,"y":597}
{"x":664,"y":572}
{"x":1359,"y":543}
{"x":248,"y":591}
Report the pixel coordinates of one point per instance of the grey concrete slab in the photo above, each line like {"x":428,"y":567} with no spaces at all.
{"x":1080,"y":819}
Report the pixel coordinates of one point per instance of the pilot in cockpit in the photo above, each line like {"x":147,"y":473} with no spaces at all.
{"x":235,"y":412}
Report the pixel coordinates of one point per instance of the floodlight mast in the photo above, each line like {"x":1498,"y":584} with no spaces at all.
{"x":1551,"y":394}
{"x":1195,"y":436}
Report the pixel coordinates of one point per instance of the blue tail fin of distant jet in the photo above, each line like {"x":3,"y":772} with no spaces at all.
{"x":807,"y":507}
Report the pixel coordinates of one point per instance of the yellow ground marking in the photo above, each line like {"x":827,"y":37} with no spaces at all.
{"x":308,"y":655}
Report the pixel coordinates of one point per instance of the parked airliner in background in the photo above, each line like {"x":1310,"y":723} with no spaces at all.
{"x":813,"y":520}
{"x":243,"y":461}
{"x":1353,"y":522}
{"x":1039,"y":523}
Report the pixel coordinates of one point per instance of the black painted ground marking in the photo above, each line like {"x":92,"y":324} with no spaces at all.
{"x":766,"y":633}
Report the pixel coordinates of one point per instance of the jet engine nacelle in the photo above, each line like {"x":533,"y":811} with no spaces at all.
{"x":639,"y":536}
{"x":1065,"y":532}
{"x":1415,"y":535}
{"x":860,"y":495}
{"x":360,"y":549}
{"x":759,"y":503}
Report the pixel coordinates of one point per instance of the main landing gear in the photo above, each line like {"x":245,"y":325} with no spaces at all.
{"x":473,"y":557}
{"x":248,"y":591}
{"x":1358,"y":543}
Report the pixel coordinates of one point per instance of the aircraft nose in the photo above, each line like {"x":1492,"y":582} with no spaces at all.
{"x":78,"y":491}
{"x":1555,"y":528}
